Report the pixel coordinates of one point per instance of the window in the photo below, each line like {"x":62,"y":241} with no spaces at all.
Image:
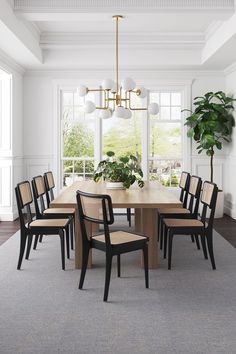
{"x":78,"y":130}
{"x":124,"y":136}
{"x":85,"y":139}
{"x":165,"y":145}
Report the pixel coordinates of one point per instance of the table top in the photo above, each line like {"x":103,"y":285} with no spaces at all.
{"x":152,"y":195}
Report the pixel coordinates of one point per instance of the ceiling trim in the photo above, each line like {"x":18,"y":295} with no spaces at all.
{"x":50,"y":40}
{"x":126,"y":5}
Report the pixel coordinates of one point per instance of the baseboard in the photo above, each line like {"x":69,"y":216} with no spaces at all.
{"x":8,"y":216}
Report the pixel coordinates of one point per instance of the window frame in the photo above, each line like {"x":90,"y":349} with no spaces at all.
{"x":184,"y":87}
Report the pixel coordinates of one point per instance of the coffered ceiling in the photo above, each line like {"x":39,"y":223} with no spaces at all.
{"x":154,"y":33}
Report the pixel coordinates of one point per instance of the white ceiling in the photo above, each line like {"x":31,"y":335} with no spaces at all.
{"x":138,"y":23}
{"x":154,"y":33}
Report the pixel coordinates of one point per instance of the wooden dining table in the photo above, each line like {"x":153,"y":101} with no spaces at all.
{"x":145,"y":201}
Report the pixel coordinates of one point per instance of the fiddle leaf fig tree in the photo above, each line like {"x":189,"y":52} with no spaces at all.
{"x":211,"y":123}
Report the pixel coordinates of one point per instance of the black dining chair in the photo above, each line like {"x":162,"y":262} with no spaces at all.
{"x":30,"y":227}
{"x":39,"y":193}
{"x":190,"y":212}
{"x":49,"y":187}
{"x":97,"y":209}
{"x":184,"y":188}
{"x":202,"y":227}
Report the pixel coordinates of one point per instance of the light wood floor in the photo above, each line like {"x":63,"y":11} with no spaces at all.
{"x":225,"y":226}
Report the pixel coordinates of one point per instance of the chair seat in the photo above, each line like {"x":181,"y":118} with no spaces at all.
{"x":183,"y":223}
{"x":49,"y":223}
{"x":120,"y":237}
{"x":69,"y":211}
{"x":173,"y":211}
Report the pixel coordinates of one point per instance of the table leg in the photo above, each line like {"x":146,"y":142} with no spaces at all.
{"x":137,"y":220}
{"x":149,"y":228}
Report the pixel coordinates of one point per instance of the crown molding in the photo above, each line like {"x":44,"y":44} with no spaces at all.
{"x":9,"y":64}
{"x":230,"y":69}
{"x":50,"y":40}
{"x":150,"y":73}
{"x":126,"y":5}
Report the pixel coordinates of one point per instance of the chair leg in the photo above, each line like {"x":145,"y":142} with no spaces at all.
{"x":129,"y":216}
{"x":192,"y":238}
{"x":62,"y":238}
{"x":170,"y":239}
{"x":145,"y":259}
{"x":85,"y":255}
{"x":210,"y":250}
{"x":41,"y":238}
{"x":108,"y":276}
{"x":29,"y":243}
{"x":36,"y":241}
{"x":71,"y":235}
{"x":118,"y":265}
{"x":23,"y":238}
{"x":197,"y":241}
{"x":165,"y":235}
{"x":204,"y":249}
{"x":68,"y":242}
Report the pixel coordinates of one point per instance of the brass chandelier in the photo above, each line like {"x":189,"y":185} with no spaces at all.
{"x":117,"y":98}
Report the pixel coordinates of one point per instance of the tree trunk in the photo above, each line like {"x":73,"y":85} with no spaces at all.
{"x":212,"y":154}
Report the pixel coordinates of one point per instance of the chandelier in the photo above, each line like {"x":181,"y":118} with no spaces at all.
{"x":117,"y":98}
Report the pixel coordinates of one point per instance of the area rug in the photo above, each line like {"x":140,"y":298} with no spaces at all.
{"x":190,"y":309}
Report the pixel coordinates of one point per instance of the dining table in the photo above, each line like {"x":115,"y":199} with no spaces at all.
{"x":144,"y":201}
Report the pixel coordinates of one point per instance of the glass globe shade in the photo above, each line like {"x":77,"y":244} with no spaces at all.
{"x":128,"y":84}
{"x":128,"y":113}
{"x":105,"y":113}
{"x":108,"y":84}
{"x":82,"y":90}
{"x":143,"y":93}
{"x":153,"y":108}
{"x":89,"y":107}
{"x":119,"y":112}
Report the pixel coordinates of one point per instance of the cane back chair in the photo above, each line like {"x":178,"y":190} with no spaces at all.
{"x":112,"y":243}
{"x":30,"y":227}
{"x":202,"y":227}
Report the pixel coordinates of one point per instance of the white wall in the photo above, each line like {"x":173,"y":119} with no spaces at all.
{"x":11,"y":160}
{"x":229,"y":186}
{"x":201,"y":162}
{"x":39,"y":102}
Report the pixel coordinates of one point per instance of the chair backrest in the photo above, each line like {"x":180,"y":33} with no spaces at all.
{"x":194,"y":193}
{"x":49,"y":184}
{"x":208,"y":199}
{"x":95,"y":208}
{"x":24,"y":198}
{"x":39,"y":192}
{"x":184,"y":186}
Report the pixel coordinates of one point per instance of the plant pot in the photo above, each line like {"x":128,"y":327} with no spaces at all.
{"x":114,"y":185}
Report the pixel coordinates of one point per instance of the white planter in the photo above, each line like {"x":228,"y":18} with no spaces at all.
{"x":114,"y":185}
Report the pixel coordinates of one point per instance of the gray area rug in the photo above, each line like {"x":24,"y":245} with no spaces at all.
{"x":190,"y":309}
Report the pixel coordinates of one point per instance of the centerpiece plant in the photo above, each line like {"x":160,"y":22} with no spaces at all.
{"x":124,"y":169}
{"x":211,"y":123}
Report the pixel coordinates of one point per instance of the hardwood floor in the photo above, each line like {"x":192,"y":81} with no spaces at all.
{"x":225,"y":226}
{"x":7,"y":229}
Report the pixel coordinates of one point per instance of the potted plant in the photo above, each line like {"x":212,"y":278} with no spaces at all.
{"x":119,"y":172}
{"x":211,"y":123}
